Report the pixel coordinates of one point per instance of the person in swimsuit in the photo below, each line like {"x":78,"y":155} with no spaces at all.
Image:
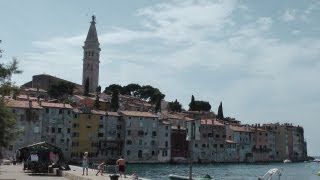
{"x":122,"y":166}
{"x":85,"y":163}
{"x":100,"y":168}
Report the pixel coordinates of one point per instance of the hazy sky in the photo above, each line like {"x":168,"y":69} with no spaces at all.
{"x":260,"y":58}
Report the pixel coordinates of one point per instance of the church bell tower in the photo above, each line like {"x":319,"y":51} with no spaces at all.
{"x":91,"y":55}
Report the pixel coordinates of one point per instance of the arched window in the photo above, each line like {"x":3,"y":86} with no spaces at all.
{"x":140,"y":154}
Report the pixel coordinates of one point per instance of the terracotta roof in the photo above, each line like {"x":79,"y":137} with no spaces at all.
{"x":211,"y":122}
{"x":109,"y":113}
{"x":56,"y":105}
{"x":22,"y":104}
{"x":178,"y":116}
{"x":240,"y":128}
{"x":138,"y":114}
{"x":230,"y":142}
{"x":98,"y":112}
{"x":26,"y":97}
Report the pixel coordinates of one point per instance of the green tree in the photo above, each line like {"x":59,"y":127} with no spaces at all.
{"x":115,"y":101}
{"x":131,"y":89}
{"x":192,"y":104}
{"x":158,"y":103}
{"x":175,"y":106}
{"x":7,"y":121}
{"x":61,"y":90}
{"x":97,"y":102}
{"x":220,"y":112}
{"x":86,"y":88}
{"x":111,"y":88}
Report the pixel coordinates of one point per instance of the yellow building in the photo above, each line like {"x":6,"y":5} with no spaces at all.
{"x":85,"y":133}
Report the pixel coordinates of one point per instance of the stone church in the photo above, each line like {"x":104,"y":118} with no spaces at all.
{"x":90,"y":73}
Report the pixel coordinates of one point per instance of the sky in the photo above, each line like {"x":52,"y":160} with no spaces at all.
{"x":260,"y":58}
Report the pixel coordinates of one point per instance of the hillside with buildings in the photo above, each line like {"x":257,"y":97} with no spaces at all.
{"x":142,"y":130}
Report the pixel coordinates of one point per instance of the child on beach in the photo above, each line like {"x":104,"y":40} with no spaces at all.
{"x":100,"y":168}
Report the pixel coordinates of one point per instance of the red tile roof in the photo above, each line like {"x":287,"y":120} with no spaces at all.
{"x":240,"y":128}
{"x":211,"y":122}
{"x":23,"y":104}
{"x":56,"y":105}
{"x":138,"y":114}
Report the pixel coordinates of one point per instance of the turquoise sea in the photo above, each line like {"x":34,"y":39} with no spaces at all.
{"x":290,"y":171}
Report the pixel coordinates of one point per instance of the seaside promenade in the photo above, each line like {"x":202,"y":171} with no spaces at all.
{"x":15,"y":172}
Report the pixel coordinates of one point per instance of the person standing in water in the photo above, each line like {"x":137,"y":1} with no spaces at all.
{"x":85,"y":163}
{"x":122,"y":166}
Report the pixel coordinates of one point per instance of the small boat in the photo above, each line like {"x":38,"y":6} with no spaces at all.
{"x":316,"y":160}
{"x":271,"y":174}
{"x":287,"y":161}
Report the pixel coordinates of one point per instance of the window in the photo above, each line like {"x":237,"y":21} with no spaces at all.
{"x":196,"y":145}
{"x":221,"y":145}
{"x":140,"y":133}
{"x":217,"y":136}
{"x":100,"y":126}
{"x":68,"y":111}
{"x":118,"y":135}
{"x":215,"y":145}
{"x":62,"y":140}
{"x":100,"y":134}
{"x":166,"y":143}
{"x":53,"y":130}
{"x":164,"y":153}
{"x":13,"y":111}
{"x":204,"y":145}
{"x":59,"y":130}
{"x":128,"y":153}
{"x":129,"y":132}
{"x":129,"y":142}
{"x":166,"y":134}
{"x":89,"y":116}
{"x":101,"y":117}
{"x":152,"y":153}
{"x":118,"y":127}
{"x":224,"y":136}
{"x":153,"y":142}
{"x":52,"y":140}
{"x":140,"y":154}
{"x":10,"y":147}
{"x":75,"y":116}
{"x":167,"y":127}
{"x":154,"y":133}
{"x":60,"y":111}
{"x":140,"y":141}
{"x":47,"y":110}
{"x":88,"y":126}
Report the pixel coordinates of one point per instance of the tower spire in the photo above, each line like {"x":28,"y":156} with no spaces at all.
{"x":91,"y":56}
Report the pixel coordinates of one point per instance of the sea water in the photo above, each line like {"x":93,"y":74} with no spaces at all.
{"x":290,"y":171}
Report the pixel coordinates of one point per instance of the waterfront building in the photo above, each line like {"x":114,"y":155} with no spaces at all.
{"x":231,"y":151}
{"x":164,"y":141}
{"x":179,"y":144}
{"x":57,"y":121}
{"x":142,"y":140}
{"x":111,"y":136}
{"x":91,"y":56}
{"x":85,"y":125}
{"x":260,"y":148}
{"x":211,"y":146}
{"x":243,"y":136}
{"x":28,"y":116}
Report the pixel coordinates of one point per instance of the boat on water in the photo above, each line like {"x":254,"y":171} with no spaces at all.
{"x":316,"y":160}
{"x":287,"y":161}
{"x":271,"y":174}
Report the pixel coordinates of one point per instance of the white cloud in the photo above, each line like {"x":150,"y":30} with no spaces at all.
{"x":289,"y":15}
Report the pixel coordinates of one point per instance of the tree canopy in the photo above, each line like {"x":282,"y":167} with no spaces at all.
{"x":146,"y":92}
{"x":199,"y":105}
{"x":175,"y":106}
{"x":61,"y":90}
{"x":7,"y":120}
{"x":115,"y":101}
{"x":220,"y":112}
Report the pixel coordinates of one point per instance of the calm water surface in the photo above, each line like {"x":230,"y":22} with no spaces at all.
{"x":290,"y":171}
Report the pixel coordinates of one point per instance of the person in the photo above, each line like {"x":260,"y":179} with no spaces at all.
{"x":85,"y":163}
{"x":100,"y":168}
{"x":122,"y":166}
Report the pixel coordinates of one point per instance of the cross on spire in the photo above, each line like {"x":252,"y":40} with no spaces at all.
{"x":93,"y":18}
